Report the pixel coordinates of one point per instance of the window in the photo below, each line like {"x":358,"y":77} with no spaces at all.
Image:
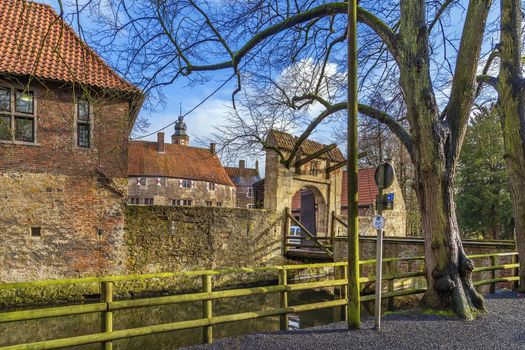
{"x":134,"y":201}
{"x":250,"y":192}
{"x":184,"y":202}
{"x":209,"y":203}
{"x":83,"y":124}
{"x":186,"y":183}
{"x":148,"y":201}
{"x":211,"y":186}
{"x":36,"y":231}
{"x":250,"y":206}
{"x":161,"y":181}
{"x":141,"y":181}
{"x":314,"y":168}
{"x":219,"y":204}
{"x":19,"y":117}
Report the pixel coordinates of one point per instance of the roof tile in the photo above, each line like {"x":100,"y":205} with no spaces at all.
{"x":286,"y":142}
{"x":365,"y":184}
{"x":178,"y":161}
{"x":35,"y":41}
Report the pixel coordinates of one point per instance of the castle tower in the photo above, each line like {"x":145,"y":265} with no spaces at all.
{"x":180,"y":137}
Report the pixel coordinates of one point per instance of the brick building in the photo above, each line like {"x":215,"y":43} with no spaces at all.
{"x":65,"y":119}
{"x":244,"y":178}
{"x":177,"y":174}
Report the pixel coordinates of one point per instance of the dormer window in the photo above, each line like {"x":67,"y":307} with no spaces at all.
{"x":17,"y":113}
{"x":83,"y":124}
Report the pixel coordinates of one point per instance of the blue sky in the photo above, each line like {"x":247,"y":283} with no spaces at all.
{"x":202,"y":121}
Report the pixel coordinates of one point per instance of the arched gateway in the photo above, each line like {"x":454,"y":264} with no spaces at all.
{"x":314,"y":179}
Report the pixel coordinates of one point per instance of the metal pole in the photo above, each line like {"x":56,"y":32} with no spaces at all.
{"x":354,"y":312}
{"x":379,"y":262}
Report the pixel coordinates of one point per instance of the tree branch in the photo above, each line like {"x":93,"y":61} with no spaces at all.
{"x":382,"y":117}
{"x":377,"y":25}
{"x":464,"y":80}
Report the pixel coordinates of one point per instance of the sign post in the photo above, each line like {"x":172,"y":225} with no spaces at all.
{"x":384,"y":176}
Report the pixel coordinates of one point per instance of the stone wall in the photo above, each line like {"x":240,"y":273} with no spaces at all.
{"x":407,"y":247}
{"x":81,"y":225}
{"x":160,"y":239}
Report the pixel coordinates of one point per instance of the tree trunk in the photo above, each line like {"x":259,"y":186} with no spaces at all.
{"x":436,"y":145}
{"x":448,"y":270}
{"x":512,"y":114}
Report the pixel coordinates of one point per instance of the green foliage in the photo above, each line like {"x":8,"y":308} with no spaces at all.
{"x":484,"y":206}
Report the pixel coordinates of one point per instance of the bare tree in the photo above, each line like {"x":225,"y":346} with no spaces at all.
{"x":511,"y":107}
{"x":159,"y":42}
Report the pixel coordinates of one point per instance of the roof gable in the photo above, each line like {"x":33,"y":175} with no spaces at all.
{"x":36,"y":42}
{"x":243,"y":176}
{"x":178,"y":161}
{"x":285,"y":141}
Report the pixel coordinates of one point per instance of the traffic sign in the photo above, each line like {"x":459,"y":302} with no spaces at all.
{"x":384,"y":175}
{"x":378,"y":222}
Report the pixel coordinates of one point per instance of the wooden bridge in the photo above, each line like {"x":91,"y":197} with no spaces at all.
{"x":337,"y":280}
{"x":311,"y":247}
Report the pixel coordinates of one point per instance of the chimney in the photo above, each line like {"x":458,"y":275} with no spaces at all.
{"x":160,"y":142}
{"x":212,"y":148}
{"x":242,"y":164}
{"x":257,"y":166}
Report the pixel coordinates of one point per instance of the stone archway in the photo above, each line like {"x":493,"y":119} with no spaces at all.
{"x":309,"y":207}
{"x":281,"y":184}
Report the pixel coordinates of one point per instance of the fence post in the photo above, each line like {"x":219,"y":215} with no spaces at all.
{"x":286,"y":230}
{"x":207,"y":331}
{"x":332,"y":233}
{"x":283,"y":299}
{"x":392,"y":270}
{"x":493,"y":274}
{"x":343,"y":274}
{"x":516,"y":271}
{"x":106,"y":296}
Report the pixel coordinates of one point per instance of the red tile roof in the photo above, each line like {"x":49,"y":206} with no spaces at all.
{"x":286,"y":142}
{"x":35,"y":41}
{"x":178,"y":161}
{"x":366,"y":186}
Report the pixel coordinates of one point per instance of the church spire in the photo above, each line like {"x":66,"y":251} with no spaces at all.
{"x":180,"y":137}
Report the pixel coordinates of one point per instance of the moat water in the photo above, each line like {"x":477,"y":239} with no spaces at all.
{"x":69,"y":326}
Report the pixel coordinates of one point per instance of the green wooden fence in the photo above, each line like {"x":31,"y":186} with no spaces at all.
{"x":107,"y":305}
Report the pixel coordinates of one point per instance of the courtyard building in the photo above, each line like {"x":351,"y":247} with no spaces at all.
{"x":244,"y":178}
{"x":177,"y":174}
{"x":65,"y":119}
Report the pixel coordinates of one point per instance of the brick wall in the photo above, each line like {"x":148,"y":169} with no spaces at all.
{"x":55,"y":150}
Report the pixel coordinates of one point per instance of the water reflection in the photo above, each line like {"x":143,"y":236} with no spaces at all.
{"x":68,"y":326}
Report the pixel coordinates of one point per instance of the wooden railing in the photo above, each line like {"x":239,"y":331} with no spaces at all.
{"x":107,"y":305}
{"x":318,"y":241}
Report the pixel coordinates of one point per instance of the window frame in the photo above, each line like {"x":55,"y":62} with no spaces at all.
{"x":212,"y":186}
{"x":185,"y":181}
{"x":13,"y":115}
{"x":78,"y":122}
{"x":182,"y":202}
{"x":250,"y":192}
{"x":134,"y":200}
{"x":149,"y":201}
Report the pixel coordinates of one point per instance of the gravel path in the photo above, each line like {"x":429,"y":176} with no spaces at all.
{"x":502,"y":328}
